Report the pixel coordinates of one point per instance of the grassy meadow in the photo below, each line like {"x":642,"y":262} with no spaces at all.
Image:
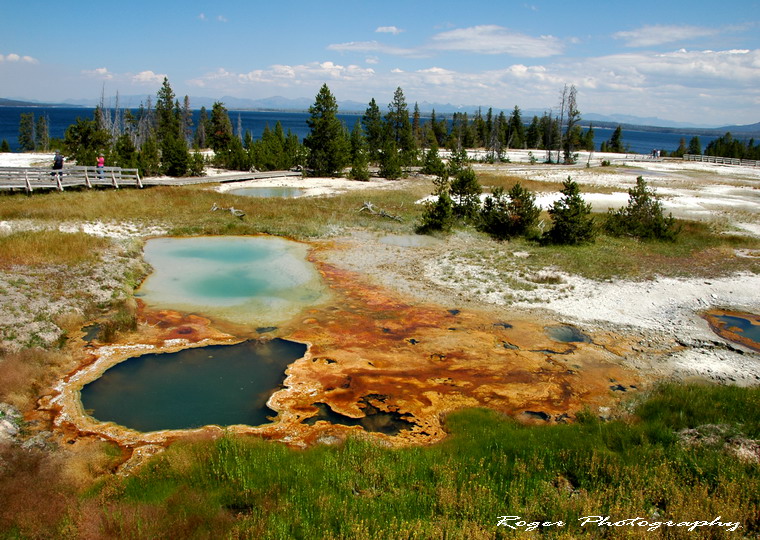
{"x":703,"y":249}
{"x":639,"y":464}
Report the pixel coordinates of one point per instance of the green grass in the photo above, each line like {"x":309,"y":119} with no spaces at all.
{"x":699,"y":251}
{"x":489,"y":466}
{"x":702,"y":249}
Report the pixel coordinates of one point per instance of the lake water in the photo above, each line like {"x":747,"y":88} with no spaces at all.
{"x":61,"y":118}
{"x":221,"y":385}
{"x":255,"y":121}
{"x":256,"y":281}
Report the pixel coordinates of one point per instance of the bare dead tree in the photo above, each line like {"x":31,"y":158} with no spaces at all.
{"x":562,"y":105}
{"x":573,"y":118}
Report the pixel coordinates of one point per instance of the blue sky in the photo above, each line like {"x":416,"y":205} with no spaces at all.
{"x":696,"y":61}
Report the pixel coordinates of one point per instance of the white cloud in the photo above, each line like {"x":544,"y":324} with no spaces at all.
{"x":202,"y":17}
{"x":485,"y":39}
{"x":284,"y":76}
{"x":221,"y":18}
{"x":13,"y":57}
{"x":372,"y":60}
{"x":372,"y":47}
{"x":437,"y":76}
{"x":388,"y":30}
{"x":649,"y":36}
{"x":148,"y":77}
{"x":671,"y":85}
{"x":492,"y":39}
{"x":737,"y":68}
{"x":101,"y":73}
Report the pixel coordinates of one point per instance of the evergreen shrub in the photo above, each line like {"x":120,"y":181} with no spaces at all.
{"x":643,"y":217}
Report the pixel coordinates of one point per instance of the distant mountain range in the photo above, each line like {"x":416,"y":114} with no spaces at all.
{"x":20,"y":103}
{"x":279,"y":103}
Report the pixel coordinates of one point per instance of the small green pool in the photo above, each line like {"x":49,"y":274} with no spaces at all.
{"x":276,"y":192}
{"x":258,"y":280}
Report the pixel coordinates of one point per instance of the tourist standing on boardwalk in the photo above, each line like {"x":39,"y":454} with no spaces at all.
{"x":101,"y":164}
{"x":57,"y":165}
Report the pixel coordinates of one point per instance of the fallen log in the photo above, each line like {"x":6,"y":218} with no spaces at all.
{"x":372,"y":209}
{"x":232,"y":210}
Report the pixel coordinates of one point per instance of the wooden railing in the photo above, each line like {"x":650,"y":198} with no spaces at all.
{"x":30,"y":178}
{"x":722,"y":160}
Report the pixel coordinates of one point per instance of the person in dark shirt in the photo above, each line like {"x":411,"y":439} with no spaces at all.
{"x":57,"y":165}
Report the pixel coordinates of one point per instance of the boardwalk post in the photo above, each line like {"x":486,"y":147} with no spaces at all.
{"x":113,"y":180}
{"x":28,"y":184}
{"x":58,"y":180}
{"x":87,"y":179}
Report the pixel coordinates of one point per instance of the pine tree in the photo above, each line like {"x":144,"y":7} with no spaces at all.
{"x":522,"y":210}
{"x":83,"y":141}
{"x":695,"y":147}
{"x":643,"y":217}
{"x":148,"y":158}
{"x":220,"y":133}
{"x":433,"y":164}
{"x":359,"y":157}
{"x":440,"y":129}
{"x":399,"y":128}
{"x":174,"y":156}
{"x":465,"y":192}
{"x":478,"y":130}
{"x":26,"y":132}
{"x":170,"y":132}
{"x":199,"y":141}
{"x":167,"y":123}
{"x":187,"y":121}
{"x":508,"y":215}
{"x":390,"y":167}
{"x":4,"y":146}
{"x":588,"y":138}
{"x":572,"y":223}
{"x":438,"y":214}
{"x":615,"y":144}
{"x":124,"y":154}
{"x":681,"y":150}
{"x":372,"y":122}
{"x":326,"y":141}
{"x":294,"y":151}
{"x":533,"y":135}
{"x":516,"y":129}
{"x":42,"y":134}
{"x":419,"y":140}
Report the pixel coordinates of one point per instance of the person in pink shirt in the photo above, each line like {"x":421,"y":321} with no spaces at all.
{"x":100,"y":165}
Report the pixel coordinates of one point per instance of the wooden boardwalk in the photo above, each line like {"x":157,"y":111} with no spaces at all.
{"x":30,"y":179}
{"x":218,"y":179}
{"x":722,"y":160}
